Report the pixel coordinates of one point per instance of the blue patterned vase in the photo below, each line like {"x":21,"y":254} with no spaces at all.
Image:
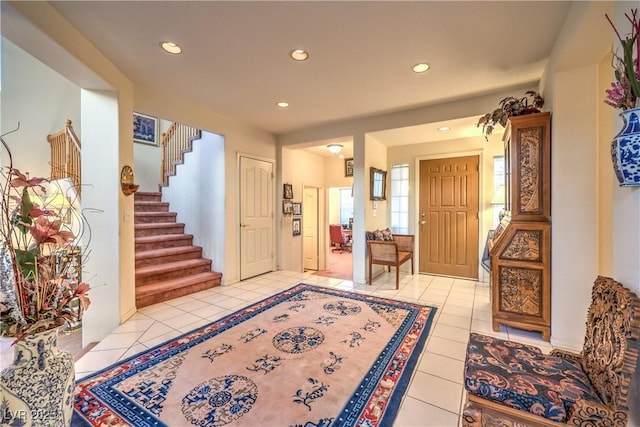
{"x":625,"y":149}
{"x":37,"y":389}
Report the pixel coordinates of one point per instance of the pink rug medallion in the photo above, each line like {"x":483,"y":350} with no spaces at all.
{"x":308,"y":356}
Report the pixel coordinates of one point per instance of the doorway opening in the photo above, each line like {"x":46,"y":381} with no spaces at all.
{"x":339,"y":262}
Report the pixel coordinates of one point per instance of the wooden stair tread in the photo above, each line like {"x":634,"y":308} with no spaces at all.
{"x":168,"y":264}
{"x":172,"y":284}
{"x":171,"y":266}
{"x":149,"y":203}
{"x":154,"y":253}
{"x":158,"y":224}
{"x":156,"y":214}
{"x":160,"y":238}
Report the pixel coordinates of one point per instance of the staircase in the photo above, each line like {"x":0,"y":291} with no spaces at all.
{"x":167,"y":264}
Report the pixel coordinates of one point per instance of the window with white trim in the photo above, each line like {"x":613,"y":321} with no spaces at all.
{"x":400,"y":198}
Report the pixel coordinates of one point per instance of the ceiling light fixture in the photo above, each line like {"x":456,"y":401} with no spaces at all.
{"x":444,"y":128}
{"x":171,"y":47}
{"x":334,"y":148}
{"x":299,"y":55}
{"x":420,"y":68}
{"x":282,"y":104}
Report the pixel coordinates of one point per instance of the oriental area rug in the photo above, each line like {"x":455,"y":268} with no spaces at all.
{"x":308,"y":356}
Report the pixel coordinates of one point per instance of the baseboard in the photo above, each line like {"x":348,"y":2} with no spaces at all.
{"x":570,"y":345}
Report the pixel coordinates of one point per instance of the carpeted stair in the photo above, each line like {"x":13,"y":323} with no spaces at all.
{"x":167,"y":264}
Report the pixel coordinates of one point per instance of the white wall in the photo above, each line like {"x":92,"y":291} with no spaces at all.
{"x":574,"y":202}
{"x":101,"y":267}
{"x":40,"y":100}
{"x":300,"y":169}
{"x":376,"y":213}
{"x":147,"y":160}
{"x":196,"y":194}
{"x":334,"y":173}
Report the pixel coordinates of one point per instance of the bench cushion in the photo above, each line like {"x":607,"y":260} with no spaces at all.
{"x":522,"y":377}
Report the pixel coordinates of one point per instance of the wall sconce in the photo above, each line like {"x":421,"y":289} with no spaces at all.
{"x":334,"y":148}
{"x":126,"y":181}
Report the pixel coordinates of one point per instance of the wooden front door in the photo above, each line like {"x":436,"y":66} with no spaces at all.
{"x":448,"y":216}
{"x":256,"y":217}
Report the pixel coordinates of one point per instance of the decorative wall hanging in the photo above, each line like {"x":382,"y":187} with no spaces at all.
{"x":145,"y":129}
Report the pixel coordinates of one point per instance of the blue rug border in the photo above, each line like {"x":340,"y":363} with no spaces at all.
{"x":395,"y":400}
{"x":396,"y":397}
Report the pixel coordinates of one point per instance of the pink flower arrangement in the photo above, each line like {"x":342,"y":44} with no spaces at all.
{"x":37,"y":291}
{"x":625,"y":90}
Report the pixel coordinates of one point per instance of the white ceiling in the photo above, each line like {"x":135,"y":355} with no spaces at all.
{"x":235,"y":54}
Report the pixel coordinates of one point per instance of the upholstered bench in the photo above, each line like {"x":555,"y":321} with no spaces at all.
{"x":514,"y":384}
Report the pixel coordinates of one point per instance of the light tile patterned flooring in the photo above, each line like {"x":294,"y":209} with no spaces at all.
{"x":435,"y":396}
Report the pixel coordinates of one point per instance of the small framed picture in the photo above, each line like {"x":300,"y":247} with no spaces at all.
{"x":296,"y":226}
{"x":145,"y":129}
{"x":348,"y":167}
{"x":287,"y":207}
{"x":297,"y":208}
{"x":288,"y":191}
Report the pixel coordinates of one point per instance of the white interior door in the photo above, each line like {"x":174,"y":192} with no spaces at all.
{"x":256,"y":217}
{"x":310,"y":220}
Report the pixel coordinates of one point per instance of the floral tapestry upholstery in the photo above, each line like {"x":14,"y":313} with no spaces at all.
{"x":522,"y":377}
{"x":383,"y":235}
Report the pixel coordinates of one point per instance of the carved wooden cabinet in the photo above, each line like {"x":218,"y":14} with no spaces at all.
{"x":520,"y":249}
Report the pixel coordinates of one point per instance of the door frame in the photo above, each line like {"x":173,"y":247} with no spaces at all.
{"x":319,"y":238}
{"x":416,"y":207}
{"x":238,"y":219}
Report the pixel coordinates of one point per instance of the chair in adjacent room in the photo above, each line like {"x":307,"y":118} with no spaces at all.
{"x":339,"y":240}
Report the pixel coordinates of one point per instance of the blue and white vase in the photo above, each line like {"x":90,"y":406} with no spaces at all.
{"x":625,"y":149}
{"x":37,"y":389}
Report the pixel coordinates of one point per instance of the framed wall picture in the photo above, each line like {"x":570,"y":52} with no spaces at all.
{"x":348,"y":167}
{"x":145,"y":129}
{"x":287,"y":207}
{"x":297,"y":208}
{"x":288,"y":191}
{"x":296,"y":225}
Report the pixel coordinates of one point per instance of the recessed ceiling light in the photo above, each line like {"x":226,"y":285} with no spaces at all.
{"x":299,"y":54}
{"x":283,"y":104}
{"x":444,"y":128}
{"x":420,"y":68}
{"x":171,"y":47}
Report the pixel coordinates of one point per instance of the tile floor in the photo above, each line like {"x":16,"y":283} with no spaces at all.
{"x":435,"y":396}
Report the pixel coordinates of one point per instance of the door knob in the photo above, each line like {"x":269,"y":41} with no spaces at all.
{"x":244,"y":225}
{"x":423,"y":222}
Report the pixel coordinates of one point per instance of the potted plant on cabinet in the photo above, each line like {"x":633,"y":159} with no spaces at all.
{"x":510,"y":106}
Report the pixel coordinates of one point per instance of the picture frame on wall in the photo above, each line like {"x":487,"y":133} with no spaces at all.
{"x":287,"y":207}
{"x":145,"y":129}
{"x":297,"y":208}
{"x":296,"y":226}
{"x":287,"y":191}
{"x":348,"y":167}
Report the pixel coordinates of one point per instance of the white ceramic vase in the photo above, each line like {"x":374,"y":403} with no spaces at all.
{"x":625,"y":149}
{"x":37,"y":389}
